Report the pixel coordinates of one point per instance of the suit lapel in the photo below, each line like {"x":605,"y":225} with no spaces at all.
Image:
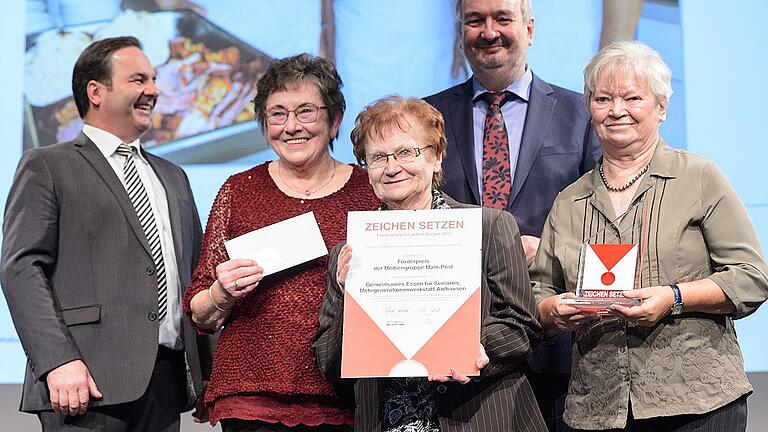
{"x":174,"y":208}
{"x":91,"y":153}
{"x":461,"y":126}
{"x":541,"y":107}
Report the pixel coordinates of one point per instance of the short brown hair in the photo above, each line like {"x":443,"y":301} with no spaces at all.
{"x":95,"y":64}
{"x":392,"y":113}
{"x":282,"y":73}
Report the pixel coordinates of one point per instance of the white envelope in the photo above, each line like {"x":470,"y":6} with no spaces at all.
{"x":282,"y":245}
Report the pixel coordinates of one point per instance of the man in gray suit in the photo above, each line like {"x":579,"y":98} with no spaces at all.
{"x":547,"y":144}
{"x":100,"y":238}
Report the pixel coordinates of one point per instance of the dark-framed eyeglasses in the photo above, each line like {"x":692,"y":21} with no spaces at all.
{"x":307,"y":113}
{"x":406,"y":155}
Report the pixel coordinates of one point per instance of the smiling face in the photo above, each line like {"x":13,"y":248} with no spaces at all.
{"x":496,"y":37}
{"x":625,"y":112}
{"x":124,"y":108}
{"x":300,"y":144}
{"x":403,"y":186}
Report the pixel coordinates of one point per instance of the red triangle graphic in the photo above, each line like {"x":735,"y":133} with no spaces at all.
{"x":610,"y":254}
{"x":366,"y":350}
{"x":455,"y":344}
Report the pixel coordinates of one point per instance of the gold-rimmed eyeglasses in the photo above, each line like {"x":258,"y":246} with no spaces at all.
{"x":406,"y":155}
{"x":307,"y":113}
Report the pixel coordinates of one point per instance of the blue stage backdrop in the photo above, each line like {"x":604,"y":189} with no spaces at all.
{"x":397,"y":46}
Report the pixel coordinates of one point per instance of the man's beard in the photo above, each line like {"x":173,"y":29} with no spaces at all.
{"x":494,"y":62}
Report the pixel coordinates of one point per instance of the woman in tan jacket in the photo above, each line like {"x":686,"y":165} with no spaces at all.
{"x":672,"y":363}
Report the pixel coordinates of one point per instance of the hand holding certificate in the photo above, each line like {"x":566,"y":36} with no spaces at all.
{"x":412,"y":293}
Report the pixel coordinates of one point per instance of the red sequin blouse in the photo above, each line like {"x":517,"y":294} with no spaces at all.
{"x":263,"y":367}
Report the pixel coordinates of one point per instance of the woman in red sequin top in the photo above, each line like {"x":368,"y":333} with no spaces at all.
{"x":263,"y":375}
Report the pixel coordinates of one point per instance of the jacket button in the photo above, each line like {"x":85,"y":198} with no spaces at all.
{"x":442,"y":389}
{"x":150,"y":271}
{"x":152,"y":316}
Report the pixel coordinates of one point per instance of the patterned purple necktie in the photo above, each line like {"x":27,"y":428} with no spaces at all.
{"x":497,"y":181}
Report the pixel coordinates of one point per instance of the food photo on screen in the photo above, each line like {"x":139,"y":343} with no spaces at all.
{"x":206,"y":77}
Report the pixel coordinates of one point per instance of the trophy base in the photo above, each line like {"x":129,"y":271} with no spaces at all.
{"x":599,"y":305}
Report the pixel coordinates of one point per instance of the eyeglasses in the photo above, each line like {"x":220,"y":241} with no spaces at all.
{"x":307,"y":113}
{"x":407,"y":155}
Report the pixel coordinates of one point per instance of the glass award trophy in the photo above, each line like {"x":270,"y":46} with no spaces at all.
{"x":605,"y":271}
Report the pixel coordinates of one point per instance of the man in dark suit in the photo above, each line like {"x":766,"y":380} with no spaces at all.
{"x":99,"y":240}
{"x":547,"y":140}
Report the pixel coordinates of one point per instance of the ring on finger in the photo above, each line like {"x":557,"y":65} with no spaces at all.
{"x":237,"y":286}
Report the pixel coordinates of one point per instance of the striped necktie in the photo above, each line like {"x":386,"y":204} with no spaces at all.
{"x":140,"y":201}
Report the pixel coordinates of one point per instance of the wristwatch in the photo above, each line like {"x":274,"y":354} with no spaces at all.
{"x":677,"y":307}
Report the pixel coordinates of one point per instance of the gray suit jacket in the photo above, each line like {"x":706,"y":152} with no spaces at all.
{"x":501,"y":400}
{"x":558,"y":146}
{"x":78,"y":275}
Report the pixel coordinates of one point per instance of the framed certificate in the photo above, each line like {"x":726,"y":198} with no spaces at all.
{"x":412,"y":295}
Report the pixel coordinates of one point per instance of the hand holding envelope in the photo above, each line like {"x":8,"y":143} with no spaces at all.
{"x":263,"y":252}
{"x":281,"y":245}
{"x":236,"y":278}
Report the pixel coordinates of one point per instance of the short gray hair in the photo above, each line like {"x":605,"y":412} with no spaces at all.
{"x":631,"y":59}
{"x":526,"y":10}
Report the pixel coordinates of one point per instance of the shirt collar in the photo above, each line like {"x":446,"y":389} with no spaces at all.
{"x":106,"y":142}
{"x":662,"y":165}
{"x":521,"y":87}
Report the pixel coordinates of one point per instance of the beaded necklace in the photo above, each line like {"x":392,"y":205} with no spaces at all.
{"x":626,"y":185}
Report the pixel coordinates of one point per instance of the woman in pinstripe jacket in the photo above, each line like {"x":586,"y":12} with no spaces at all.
{"x":402,"y":142}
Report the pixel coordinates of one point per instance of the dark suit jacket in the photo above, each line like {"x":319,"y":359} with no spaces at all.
{"x":501,"y":400}
{"x":557,"y":147}
{"x":78,"y":275}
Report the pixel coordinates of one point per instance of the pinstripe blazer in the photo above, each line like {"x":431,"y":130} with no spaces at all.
{"x":500,"y":399}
